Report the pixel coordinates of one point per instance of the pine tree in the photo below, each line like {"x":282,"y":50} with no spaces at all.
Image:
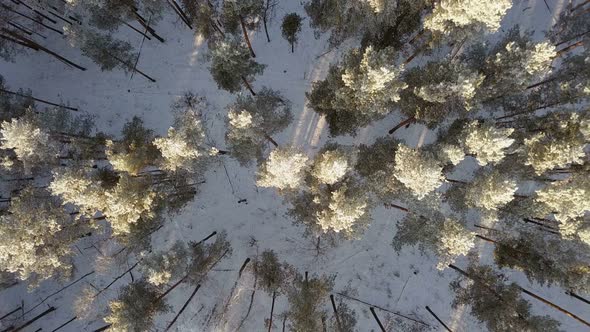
{"x":307,"y":298}
{"x":245,"y":14}
{"x":342,"y":18}
{"x":567,"y":199}
{"x":272,"y":274}
{"x":135,"y":151}
{"x":253,"y":120}
{"x":513,"y":64}
{"x":232,"y":65}
{"x":418,"y":170}
{"x":439,"y":90}
{"x":185,"y":146}
{"x":105,"y":51}
{"x":447,"y":238}
{"x":204,"y":17}
{"x":489,"y":191}
{"x":135,"y":308}
{"x":31,"y":143}
{"x":361,"y":90}
{"x":456,"y":18}
{"x":284,"y":169}
{"x":497,"y":304}
{"x":487,"y":142}
{"x":544,"y":260}
{"x":560,"y":143}
{"x":36,"y":237}
{"x":290,"y":28}
{"x":332,"y":164}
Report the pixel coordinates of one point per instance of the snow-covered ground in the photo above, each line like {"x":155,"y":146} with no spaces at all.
{"x":405,"y":283}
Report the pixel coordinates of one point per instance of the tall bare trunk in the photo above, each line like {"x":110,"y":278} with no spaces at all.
{"x":39,"y":100}
{"x":406,"y":122}
{"x":248,"y":86}
{"x":246,"y":36}
{"x":272,"y":309}
{"x":183,"y":307}
{"x":377,"y":319}
{"x":338,"y":324}
{"x":438,"y":319}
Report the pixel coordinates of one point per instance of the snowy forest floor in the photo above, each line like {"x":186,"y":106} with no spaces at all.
{"x":368,"y":266}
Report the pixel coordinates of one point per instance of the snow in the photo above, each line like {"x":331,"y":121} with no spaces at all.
{"x":406,"y":282}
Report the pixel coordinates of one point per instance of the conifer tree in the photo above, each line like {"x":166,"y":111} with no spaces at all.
{"x":105,"y":51}
{"x":447,"y":238}
{"x":307,"y":302}
{"x":497,"y":304}
{"x":135,"y":151}
{"x":417,"y":170}
{"x":290,"y":28}
{"x":31,"y":144}
{"x":362,"y":89}
{"x":545,"y":260}
{"x":232,"y":65}
{"x":204,"y":17}
{"x":440,"y":89}
{"x":135,"y":308}
{"x":457,"y":18}
{"x":487,"y":142}
{"x":512,"y":65}
{"x":284,"y":169}
{"x":185,"y":146}
{"x":560,"y":143}
{"x":36,"y":237}
{"x":567,"y":199}
{"x":253,"y":120}
{"x":242,"y":14}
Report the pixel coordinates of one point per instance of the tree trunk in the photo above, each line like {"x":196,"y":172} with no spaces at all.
{"x":292,"y":47}
{"x":542,"y":82}
{"x":117,"y":278}
{"x":574,"y":295}
{"x":207,"y":238}
{"x":384,"y":309}
{"x":406,"y":122}
{"x":398,"y":207}
{"x":377,"y":319}
{"x":246,"y":36}
{"x":31,"y":321}
{"x":106,"y":327}
{"x":64,"y":324}
{"x":248,"y":86}
{"x":183,"y":307}
{"x":572,"y":38}
{"x":132,"y":68}
{"x":265,"y":18}
{"x":141,"y":21}
{"x":272,"y":309}
{"x":180,"y":13}
{"x":271,"y":140}
{"x":438,"y":319}
{"x":416,"y":37}
{"x":31,"y":19}
{"x":137,"y":30}
{"x":569,"y":48}
{"x":338,"y":324}
{"x":415,"y":54}
{"x":10,"y":313}
{"x":35,"y":46}
{"x":39,"y":100}
{"x":456,"y":181}
{"x":555,"y":306}
{"x":578,"y":6}
{"x":243,"y":266}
